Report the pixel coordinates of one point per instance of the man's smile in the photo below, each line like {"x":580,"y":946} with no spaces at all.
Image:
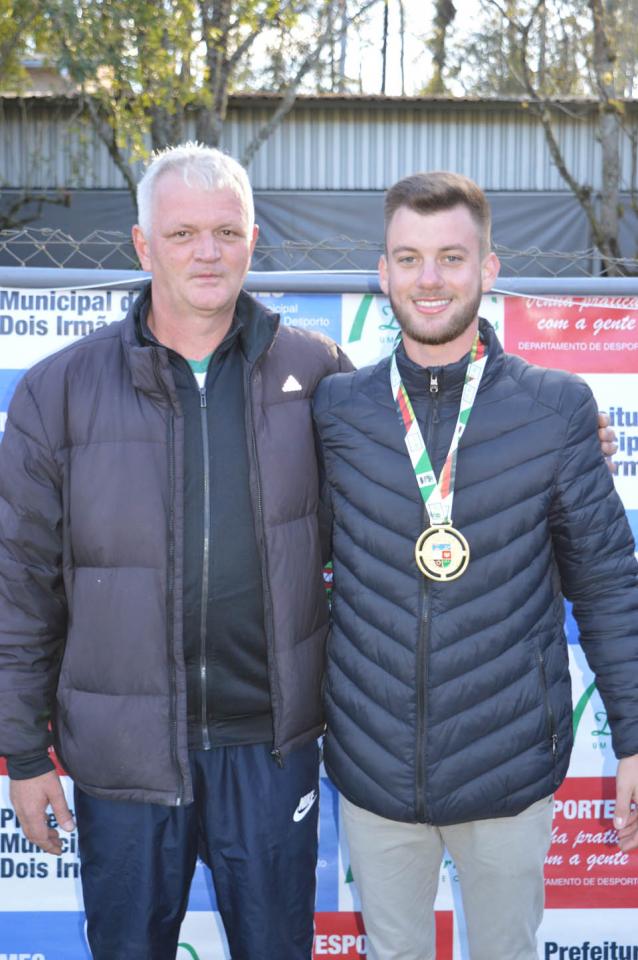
{"x":431,"y":305}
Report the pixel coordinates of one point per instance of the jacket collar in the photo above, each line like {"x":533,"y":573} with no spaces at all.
{"x":149,"y":362}
{"x":451,"y":377}
{"x":258,"y":326}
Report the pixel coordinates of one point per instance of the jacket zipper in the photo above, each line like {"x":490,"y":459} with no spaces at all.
{"x":170,"y":600}
{"x":424,"y":636}
{"x":203,"y":623}
{"x":261,"y":542}
{"x":421,"y":672}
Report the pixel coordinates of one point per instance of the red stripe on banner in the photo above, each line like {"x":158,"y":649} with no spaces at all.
{"x":444,"y":934}
{"x":342,"y":934}
{"x":585,"y":867}
{"x":563,"y":334}
{"x":58,"y":765}
{"x":339,"y":934}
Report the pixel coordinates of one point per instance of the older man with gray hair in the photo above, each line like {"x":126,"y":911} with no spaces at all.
{"x":162,"y":613}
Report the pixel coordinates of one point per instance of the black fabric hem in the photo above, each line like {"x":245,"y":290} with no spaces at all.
{"x":29,"y":765}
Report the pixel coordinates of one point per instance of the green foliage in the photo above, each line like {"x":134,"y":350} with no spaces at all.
{"x":23,"y":33}
{"x":131,"y":59}
{"x":141,"y":67}
{"x":149,"y":73}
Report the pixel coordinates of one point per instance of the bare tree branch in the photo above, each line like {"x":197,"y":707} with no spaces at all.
{"x":603,"y":225}
{"x":106,"y":130}
{"x":289,"y":93}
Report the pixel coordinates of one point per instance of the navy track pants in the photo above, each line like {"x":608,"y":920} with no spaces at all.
{"x":252,"y":822}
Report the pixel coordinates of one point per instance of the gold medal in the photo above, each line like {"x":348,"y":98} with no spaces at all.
{"x":442,"y":553}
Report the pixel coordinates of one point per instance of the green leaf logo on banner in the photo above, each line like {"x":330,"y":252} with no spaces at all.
{"x":190,"y":950}
{"x":363,"y":309}
{"x":579,"y":709}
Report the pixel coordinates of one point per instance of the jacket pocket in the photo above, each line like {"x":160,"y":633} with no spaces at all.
{"x":552,"y":732}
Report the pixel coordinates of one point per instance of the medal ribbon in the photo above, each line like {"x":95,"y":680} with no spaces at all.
{"x":438,"y":496}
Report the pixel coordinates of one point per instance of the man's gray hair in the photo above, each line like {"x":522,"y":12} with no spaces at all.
{"x":200,"y":166}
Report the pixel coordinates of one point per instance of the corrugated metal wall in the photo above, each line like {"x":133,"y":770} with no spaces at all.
{"x":345,"y":145}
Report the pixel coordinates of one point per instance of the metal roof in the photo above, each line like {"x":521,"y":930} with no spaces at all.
{"x":329,"y":143}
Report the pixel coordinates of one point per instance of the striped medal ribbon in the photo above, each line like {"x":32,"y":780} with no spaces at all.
{"x":441,"y":552}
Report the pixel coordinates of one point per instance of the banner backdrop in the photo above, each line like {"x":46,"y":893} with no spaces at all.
{"x":591,"y":886}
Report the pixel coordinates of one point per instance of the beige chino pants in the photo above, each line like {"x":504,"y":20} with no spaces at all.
{"x":396,"y":868}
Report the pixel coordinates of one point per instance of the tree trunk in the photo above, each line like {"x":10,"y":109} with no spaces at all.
{"x":216,"y":19}
{"x":402,"y":51}
{"x":384,"y":46}
{"x":444,"y":14}
{"x":603,"y":61}
{"x":603,"y":219}
{"x":343,"y":46}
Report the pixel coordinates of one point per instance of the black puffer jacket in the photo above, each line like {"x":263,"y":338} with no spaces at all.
{"x":448,"y":702}
{"x":91,"y":533}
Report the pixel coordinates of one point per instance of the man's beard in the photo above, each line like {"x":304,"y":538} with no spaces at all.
{"x":455,"y":326}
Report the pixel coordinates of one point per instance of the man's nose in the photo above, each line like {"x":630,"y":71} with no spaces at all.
{"x":207,"y":247}
{"x":429,"y":274}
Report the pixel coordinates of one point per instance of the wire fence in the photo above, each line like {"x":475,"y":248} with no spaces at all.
{"x":111,"y":250}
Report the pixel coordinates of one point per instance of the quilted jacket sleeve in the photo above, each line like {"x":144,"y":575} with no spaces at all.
{"x":325,"y":507}
{"x":32,"y":600}
{"x":594,"y":550}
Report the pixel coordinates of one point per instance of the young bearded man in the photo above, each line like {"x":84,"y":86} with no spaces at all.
{"x":469,"y":497}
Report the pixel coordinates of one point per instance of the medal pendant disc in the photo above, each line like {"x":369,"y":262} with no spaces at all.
{"x":442,"y":553}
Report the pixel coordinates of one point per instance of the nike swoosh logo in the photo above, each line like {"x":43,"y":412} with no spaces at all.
{"x":305,"y":805}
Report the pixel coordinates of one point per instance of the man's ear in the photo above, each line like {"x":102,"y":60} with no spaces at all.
{"x":141,"y":247}
{"x":489,"y":271}
{"x":383,"y":273}
{"x":254,"y":238}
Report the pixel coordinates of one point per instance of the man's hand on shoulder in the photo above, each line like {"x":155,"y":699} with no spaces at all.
{"x":626,"y":815}
{"x":607,"y":438}
{"x":30,"y":799}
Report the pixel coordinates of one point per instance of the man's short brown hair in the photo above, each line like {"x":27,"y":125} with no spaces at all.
{"x":440,"y":190}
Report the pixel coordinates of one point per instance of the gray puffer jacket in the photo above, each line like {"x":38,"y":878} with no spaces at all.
{"x":91,"y":530}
